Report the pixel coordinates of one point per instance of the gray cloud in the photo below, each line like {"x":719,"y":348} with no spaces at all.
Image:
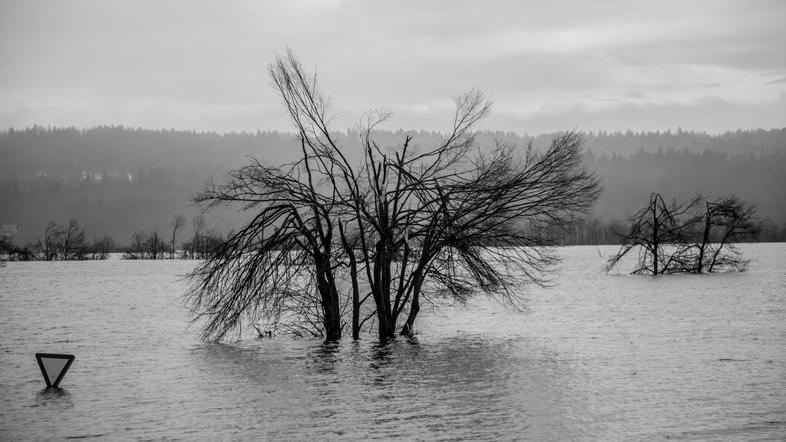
{"x":711,"y":115}
{"x":199,"y":64}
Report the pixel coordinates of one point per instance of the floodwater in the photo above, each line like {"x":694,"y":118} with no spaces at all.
{"x":596,"y":357}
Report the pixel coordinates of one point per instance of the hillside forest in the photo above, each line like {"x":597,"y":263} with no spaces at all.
{"x":120,"y":182}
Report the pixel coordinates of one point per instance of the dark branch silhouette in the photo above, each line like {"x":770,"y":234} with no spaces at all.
{"x":679,"y":238}
{"x":402,"y":223}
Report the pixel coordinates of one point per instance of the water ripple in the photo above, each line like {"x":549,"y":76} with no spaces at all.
{"x":599,"y":357}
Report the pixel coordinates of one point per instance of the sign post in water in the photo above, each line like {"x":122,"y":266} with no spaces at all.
{"x":53,"y":367}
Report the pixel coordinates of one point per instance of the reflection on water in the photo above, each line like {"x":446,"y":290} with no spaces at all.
{"x":599,"y":357}
{"x":53,"y":397}
{"x":463,"y":386}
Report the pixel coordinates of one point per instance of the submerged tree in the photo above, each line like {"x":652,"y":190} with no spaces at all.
{"x":654,"y":228}
{"x":680,"y":238}
{"x":398,"y":223}
{"x":726,"y":221}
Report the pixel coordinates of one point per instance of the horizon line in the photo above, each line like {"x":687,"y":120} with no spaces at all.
{"x":677,"y":130}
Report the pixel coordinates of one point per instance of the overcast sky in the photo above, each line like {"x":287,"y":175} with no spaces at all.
{"x":587,"y":65}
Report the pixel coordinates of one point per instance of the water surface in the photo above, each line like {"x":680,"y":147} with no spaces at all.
{"x":597,"y":357}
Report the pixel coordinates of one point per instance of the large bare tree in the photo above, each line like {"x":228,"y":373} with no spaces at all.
{"x":389,"y":227}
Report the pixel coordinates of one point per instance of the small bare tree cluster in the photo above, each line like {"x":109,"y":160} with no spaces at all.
{"x":197,"y":224}
{"x":63,"y":242}
{"x":145,"y":246}
{"x":726,"y":222}
{"x":59,"y":243}
{"x":381,"y":232}
{"x":100,"y":249}
{"x":691,"y":237}
{"x":203,"y":244}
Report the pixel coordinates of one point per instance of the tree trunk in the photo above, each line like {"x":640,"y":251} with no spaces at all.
{"x":381,"y":290}
{"x":329,"y":297}
{"x":386,"y":326}
{"x":705,"y":240}
{"x":655,"y":238}
{"x":409,"y":327}
{"x":353,"y":276}
{"x":332,"y":318}
{"x":355,"y":298}
{"x":414,"y":306}
{"x":714,"y":261}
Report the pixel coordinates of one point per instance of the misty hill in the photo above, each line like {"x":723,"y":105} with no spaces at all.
{"x":117,"y":180}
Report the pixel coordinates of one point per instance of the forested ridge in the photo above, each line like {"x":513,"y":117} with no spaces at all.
{"x":117,"y":181}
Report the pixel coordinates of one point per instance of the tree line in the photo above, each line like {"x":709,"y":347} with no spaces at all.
{"x":118,"y":180}
{"x":68,"y":150}
{"x":59,"y":243}
{"x":68,"y":242}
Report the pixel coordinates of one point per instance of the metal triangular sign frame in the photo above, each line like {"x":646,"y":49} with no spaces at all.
{"x":40,"y":356}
